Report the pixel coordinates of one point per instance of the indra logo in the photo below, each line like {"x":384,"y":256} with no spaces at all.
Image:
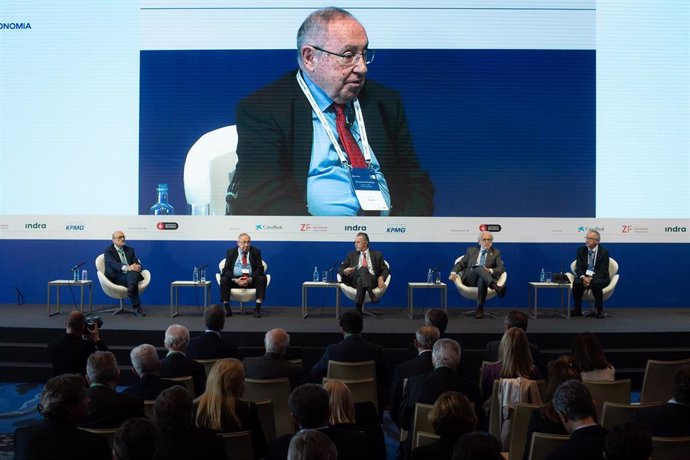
{"x":675,"y":229}
{"x":35,"y":226}
{"x":15,"y":26}
{"x":490,"y":228}
{"x":355,"y":228}
{"x":396,"y":229}
{"x":75,"y":227}
{"x":167,"y":226}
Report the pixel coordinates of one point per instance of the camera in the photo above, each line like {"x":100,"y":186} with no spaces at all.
{"x":92,"y":322}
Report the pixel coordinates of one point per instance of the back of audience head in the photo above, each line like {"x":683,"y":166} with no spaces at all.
{"x":446,"y":352}
{"x":309,"y":405}
{"x":225,"y":385}
{"x":560,"y":370}
{"x":351,"y":322}
{"x":135,"y":440}
{"x":145,"y":360}
{"x":573,"y":401}
{"x":176,"y":338}
{"x":173,"y":410}
{"x":628,"y":441}
{"x":514,"y":354}
{"x":516,"y":318}
{"x":588,"y":352}
{"x":426,"y":337}
{"x":341,"y":403}
{"x":477,"y":446}
{"x":277,"y":341}
{"x":436,"y":317}
{"x":452,"y":415}
{"x":311,"y":445}
{"x":75,"y":323}
{"x":64,"y":399}
{"x":101,"y":367}
{"x":681,"y":385}
{"x":214,"y":318}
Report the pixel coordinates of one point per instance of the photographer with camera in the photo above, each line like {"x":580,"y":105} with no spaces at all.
{"x":70,"y":352}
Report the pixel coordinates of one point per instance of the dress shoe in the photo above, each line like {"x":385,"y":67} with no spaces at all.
{"x":600,"y":315}
{"x":373,"y":297}
{"x":577,"y":312}
{"x":590,"y":314}
{"x":501,"y":290}
{"x":138,"y":311}
{"x":257,"y":311}
{"x":479,"y":313}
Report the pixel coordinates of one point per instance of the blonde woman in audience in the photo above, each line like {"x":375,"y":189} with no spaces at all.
{"x":220,"y":408}
{"x":590,"y":358}
{"x":341,"y":404}
{"x":515,"y":360}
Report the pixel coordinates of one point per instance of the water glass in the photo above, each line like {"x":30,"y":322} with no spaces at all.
{"x":202,"y":276}
{"x":84,"y":275}
{"x":438,"y":277}
{"x":548,"y":277}
{"x":324,"y":276}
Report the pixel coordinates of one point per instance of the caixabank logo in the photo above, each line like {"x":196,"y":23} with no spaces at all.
{"x":268,"y":228}
{"x":585,"y":229}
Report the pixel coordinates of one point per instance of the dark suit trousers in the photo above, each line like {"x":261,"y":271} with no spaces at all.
{"x":363,"y":281}
{"x":226,"y":284}
{"x":596,"y":285}
{"x":131,"y":281}
{"x":481,"y":278}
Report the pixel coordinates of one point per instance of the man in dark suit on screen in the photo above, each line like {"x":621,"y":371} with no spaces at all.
{"x":210,"y":344}
{"x":591,"y":272}
{"x":124,"y":268}
{"x":243,"y":268}
{"x":364,"y":269}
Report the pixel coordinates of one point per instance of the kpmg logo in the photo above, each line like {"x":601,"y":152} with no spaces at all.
{"x":396,"y":229}
{"x":494,"y":228}
{"x":584,"y":228}
{"x":15,"y":26}
{"x":35,"y":226}
{"x":675,"y":229}
{"x":167,"y":226}
{"x":75,"y":227}
{"x":264,"y":227}
{"x":355,"y":228}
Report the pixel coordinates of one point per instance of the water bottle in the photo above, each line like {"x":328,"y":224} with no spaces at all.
{"x":195,"y":275}
{"x":75,"y":274}
{"x":316,"y":274}
{"x":162,"y":207}
{"x":542,"y":276}
{"x":430,"y":276}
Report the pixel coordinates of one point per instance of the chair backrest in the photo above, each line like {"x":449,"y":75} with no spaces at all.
{"x":351,"y":370}
{"x":658,"y":379}
{"x":238,"y":445}
{"x":671,"y":448}
{"x":267,"y":418}
{"x":207,"y":363}
{"x":613,"y":266}
{"x":481,"y":373}
{"x":363,"y":390}
{"x":617,"y":391}
{"x":502,"y":421}
{"x":470,"y":292}
{"x":423,"y":438}
{"x":209,"y":169}
{"x":421,"y":421}
{"x":543,"y":444}
{"x":221,"y":265}
{"x":109,"y":433}
{"x":148,"y":409}
{"x":616,"y":413}
{"x":186,"y":380}
{"x":495,"y":411}
{"x":278,"y":391}
{"x":518,"y":438}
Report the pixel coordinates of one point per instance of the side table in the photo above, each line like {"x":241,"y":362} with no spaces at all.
{"x":174,"y":294}
{"x":535,"y":286}
{"x":57,"y":284}
{"x":318,"y":284}
{"x":442,"y":287}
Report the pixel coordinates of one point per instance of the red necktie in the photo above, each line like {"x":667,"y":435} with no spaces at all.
{"x":244,"y":258}
{"x":349,"y":143}
{"x":364,"y":259}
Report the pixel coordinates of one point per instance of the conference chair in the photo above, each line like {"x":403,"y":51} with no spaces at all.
{"x":363,"y":390}
{"x":238,"y":445}
{"x":149,"y":411}
{"x":421,"y":421}
{"x":209,"y":170}
{"x":502,"y":409}
{"x":186,"y":380}
{"x":424,"y":438}
{"x":607,"y":291}
{"x":207,"y":363}
{"x":676,"y":448}
{"x":617,"y":391}
{"x":543,"y":444}
{"x":116,"y":291}
{"x":278,"y":391}
{"x":658,"y":379}
{"x":242,"y":295}
{"x":616,"y":413}
{"x":351,"y":292}
{"x":108,"y":433}
{"x":267,"y":418}
{"x":481,"y":374}
{"x":472,"y":293}
{"x":518,"y":438}
{"x":351,"y":370}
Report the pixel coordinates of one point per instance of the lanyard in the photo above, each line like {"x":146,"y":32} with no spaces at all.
{"x":327,"y":127}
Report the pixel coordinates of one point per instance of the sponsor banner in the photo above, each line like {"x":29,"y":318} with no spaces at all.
{"x":381,"y":229}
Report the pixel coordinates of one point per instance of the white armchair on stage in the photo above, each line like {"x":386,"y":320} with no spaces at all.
{"x":472,"y":292}
{"x":115,"y":290}
{"x":607,"y":291}
{"x":351,"y":293}
{"x":242,"y":295}
{"x":209,"y":169}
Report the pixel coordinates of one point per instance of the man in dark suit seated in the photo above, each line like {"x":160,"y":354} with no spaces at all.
{"x":108,"y":408}
{"x":575,"y":407}
{"x":147,"y":367}
{"x":364,"y":269}
{"x":273,"y":364}
{"x":591,"y":272}
{"x":310,"y":444}
{"x":425,"y":338}
{"x":244,"y":268}
{"x":673,"y":417}
{"x":210,"y":344}
{"x":124,"y":268}
{"x":310,"y":409}
{"x":514,"y":318}
{"x":176,"y":363}
{"x":178,"y":437}
{"x":70,"y":352}
{"x":63,"y":404}
{"x":353,"y":348}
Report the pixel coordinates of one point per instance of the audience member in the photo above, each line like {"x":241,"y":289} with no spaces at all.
{"x":178,"y":438}
{"x":63,"y":405}
{"x":309,"y":406}
{"x":628,"y":441}
{"x":147,"y":367}
{"x":354,"y":348}
{"x":70,"y":352}
{"x":438,"y":318}
{"x":477,"y":446}
{"x":546,"y":419}
{"x":176,"y":363}
{"x":273,"y":365}
{"x":135,"y":440}
{"x":210,"y":344}
{"x":451,"y":416}
{"x":575,"y":407}
{"x":515,"y":360}
{"x":589,"y":356}
{"x":673,"y":417}
{"x":514,"y":318}
{"x":311,"y":445}
{"x":108,"y":408}
{"x":425,"y":338}
{"x":220,"y":408}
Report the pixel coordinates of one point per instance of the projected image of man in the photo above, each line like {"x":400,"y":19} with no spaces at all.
{"x":324,"y":140}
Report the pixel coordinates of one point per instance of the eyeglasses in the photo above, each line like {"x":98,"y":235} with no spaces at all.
{"x":120,"y":237}
{"x":591,"y":238}
{"x":487,"y":239}
{"x":350,"y":59}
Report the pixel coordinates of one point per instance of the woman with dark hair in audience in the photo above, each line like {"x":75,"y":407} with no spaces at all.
{"x":220,"y":408}
{"x":515,"y":360}
{"x":451,"y":416}
{"x":546,"y":419}
{"x":590,"y":358}
{"x":478,"y":445}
